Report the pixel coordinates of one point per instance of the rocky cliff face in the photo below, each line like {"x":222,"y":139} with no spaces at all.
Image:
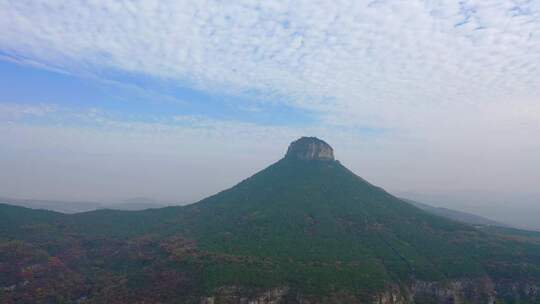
{"x":310,"y":148}
{"x":234,"y":294}
{"x":518,"y":292}
{"x":479,"y":290}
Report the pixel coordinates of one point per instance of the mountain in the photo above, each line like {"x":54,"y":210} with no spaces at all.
{"x":304,"y":230}
{"x":455,"y":215}
{"x":52,"y":205}
{"x":498,"y":204}
{"x":139,"y":203}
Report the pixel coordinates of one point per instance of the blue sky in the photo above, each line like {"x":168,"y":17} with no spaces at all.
{"x":176,"y":100}
{"x":120,"y":94}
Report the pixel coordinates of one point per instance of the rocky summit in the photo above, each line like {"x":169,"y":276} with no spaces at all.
{"x":310,"y":148}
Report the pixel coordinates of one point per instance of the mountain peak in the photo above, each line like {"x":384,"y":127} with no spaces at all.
{"x":310,"y":148}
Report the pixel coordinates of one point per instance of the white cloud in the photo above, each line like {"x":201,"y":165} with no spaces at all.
{"x":13,"y":111}
{"x":358,"y":54}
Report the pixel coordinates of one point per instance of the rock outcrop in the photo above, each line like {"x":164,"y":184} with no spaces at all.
{"x":310,"y":148}
{"x":234,"y":294}
{"x":479,"y":290}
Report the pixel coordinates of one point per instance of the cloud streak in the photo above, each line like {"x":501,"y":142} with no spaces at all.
{"x":13,"y":111}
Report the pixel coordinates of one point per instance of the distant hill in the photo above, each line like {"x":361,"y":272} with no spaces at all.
{"x":459,"y":216}
{"x":504,"y":206}
{"x":81,"y":206}
{"x":142,"y":203}
{"x":59,"y":206}
{"x":304,"y":230}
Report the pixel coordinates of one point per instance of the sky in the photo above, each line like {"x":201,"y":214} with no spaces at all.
{"x":175,"y":100}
